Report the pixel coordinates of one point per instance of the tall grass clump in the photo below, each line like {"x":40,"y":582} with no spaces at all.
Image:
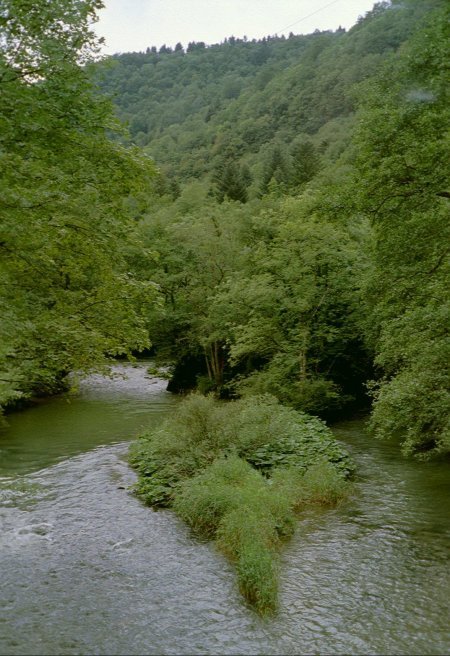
{"x":234,"y":504}
{"x":237,"y":473}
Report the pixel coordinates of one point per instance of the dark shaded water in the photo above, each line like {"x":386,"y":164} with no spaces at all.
{"x":86,"y":569}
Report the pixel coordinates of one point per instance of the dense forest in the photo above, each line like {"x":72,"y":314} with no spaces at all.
{"x":273,"y":219}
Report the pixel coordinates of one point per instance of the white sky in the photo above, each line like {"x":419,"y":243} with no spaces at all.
{"x":134,"y":25}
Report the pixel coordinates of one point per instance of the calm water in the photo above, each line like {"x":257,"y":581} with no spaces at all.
{"x":86,"y":569}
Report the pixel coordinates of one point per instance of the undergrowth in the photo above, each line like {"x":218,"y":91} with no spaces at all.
{"x":237,"y":473}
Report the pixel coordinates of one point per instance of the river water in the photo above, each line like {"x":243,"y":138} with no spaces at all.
{"x":87,"y":569}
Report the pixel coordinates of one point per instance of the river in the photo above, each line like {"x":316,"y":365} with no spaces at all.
{"x":87,"y":569}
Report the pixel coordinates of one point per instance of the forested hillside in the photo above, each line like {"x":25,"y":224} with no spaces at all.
{"x":275,"y":220}
{"x":239,"y":99}
{"x":300,"y":230}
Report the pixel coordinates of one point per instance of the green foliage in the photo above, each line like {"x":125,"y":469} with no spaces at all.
{"x":212,"y":463}
{"x":232,"y":502}
{"x":258,"y":429}
{"x":293,"y":309}
{"x":332,"y":261}
{"x":403,"y":186}
{"x":261,"y":297}
{"x":186,"y":109}
{"x":276,"y":172}
{"x":266,"y":296}
{"x":198,"y":243}
{"x":257,"y":576}
{"x":321,"y":484}
{"x":305,"y":162}
{"x":188,"y":441}
{"x":269,"y":435}
{"x":69,"y":199}
{"x":230,"y":484}
{"x":231,"y":181}
{"x":268,"y":255}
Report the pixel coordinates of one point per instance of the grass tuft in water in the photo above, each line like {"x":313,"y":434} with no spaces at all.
{"x":222,"y":469}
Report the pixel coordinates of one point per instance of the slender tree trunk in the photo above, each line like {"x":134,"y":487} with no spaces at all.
{"x":208,"y":366}
{"x":215,"y":363}
{"x":303,"y":367}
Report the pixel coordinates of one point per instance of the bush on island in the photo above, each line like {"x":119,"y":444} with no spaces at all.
{"x":237,"y":472}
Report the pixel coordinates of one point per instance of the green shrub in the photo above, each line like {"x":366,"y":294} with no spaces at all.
{"x":318,"y":396}
{"x":203,"y":500}
{"x":245,"y":525}
{"x":270,"y":435}
{"x":228,"y":485}
{"x":236,"y":472}
{"x":183,"y":446}
{"x":321,"y":483}
{"x":233,"y":503}
{"x":257,"y":577}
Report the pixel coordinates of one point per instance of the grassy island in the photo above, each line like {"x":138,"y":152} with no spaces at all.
{"x":237,"y":473}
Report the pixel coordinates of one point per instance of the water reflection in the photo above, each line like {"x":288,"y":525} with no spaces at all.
{"x":104,"y":411}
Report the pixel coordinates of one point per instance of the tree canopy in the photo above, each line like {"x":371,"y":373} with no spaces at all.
{"x":67,"y":295}
{"x":403,"y":186}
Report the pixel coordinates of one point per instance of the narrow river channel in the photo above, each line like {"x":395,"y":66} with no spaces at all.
{"x":86,"y":569}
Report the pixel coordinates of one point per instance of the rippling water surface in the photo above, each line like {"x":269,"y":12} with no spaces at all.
{"x":86,"y":569}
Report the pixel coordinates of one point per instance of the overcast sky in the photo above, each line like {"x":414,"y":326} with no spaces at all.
{"x":129,"y":25}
